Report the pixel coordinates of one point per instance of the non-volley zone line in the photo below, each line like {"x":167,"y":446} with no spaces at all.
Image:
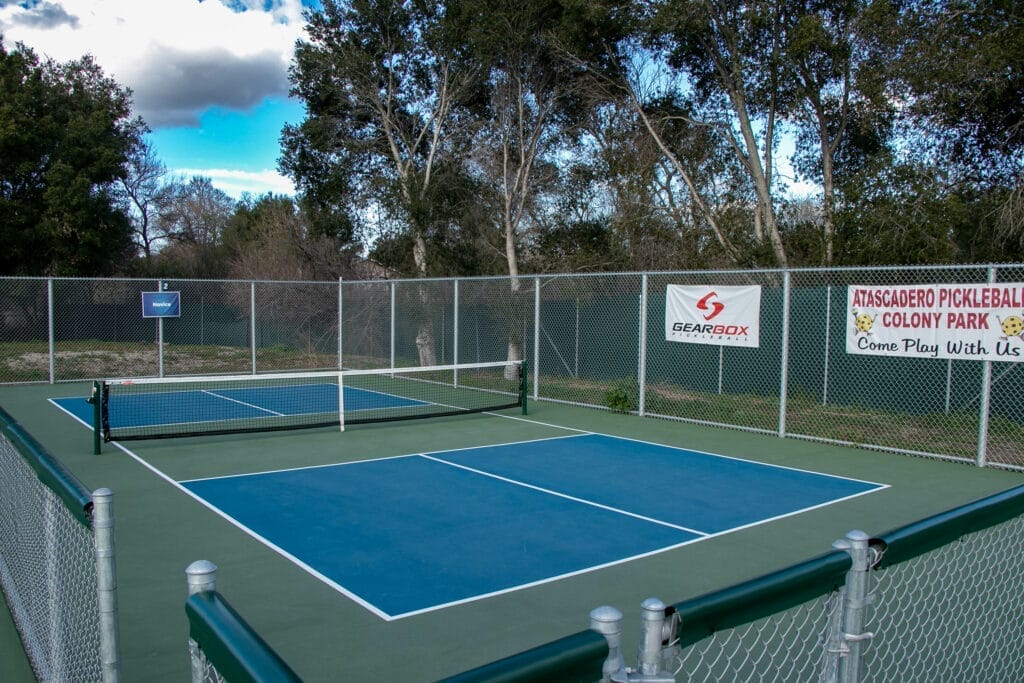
{"x":414,"y":533}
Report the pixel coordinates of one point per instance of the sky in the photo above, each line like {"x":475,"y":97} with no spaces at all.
{"x":209,"y":77}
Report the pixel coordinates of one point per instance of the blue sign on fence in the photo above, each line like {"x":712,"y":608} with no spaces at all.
{"x":161,"y":304}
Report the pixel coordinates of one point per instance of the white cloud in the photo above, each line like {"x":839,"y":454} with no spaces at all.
{"x":179,"y":57}
{"x":235,"y":183}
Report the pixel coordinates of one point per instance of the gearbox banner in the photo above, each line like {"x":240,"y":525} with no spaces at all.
{"x":719,"y":315}
{"x":967,"y":322}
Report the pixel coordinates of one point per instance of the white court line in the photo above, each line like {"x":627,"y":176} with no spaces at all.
{"x":242,"y":403}
{"x":566,"y":496}
{"x":700,"y":452}
{"x":579,"y":432}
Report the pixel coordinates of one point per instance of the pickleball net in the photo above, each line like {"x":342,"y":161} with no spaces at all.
{"x":153,"y":408}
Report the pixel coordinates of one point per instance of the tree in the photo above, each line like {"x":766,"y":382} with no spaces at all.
{"x":385,"y":94}
{"x":731,"y":55}
{"x":191,"y":219}
{"x":269,"y":237}
{"x":64,"y":143}
{"x":958,"y":68}
{"x":144,"y":192}
{"x":820,"y":55}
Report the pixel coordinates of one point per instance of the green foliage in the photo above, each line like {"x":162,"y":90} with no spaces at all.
{"x":65,"y":138}
{"x":623,"y":396}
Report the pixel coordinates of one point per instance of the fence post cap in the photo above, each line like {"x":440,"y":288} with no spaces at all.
{"x":606,"y":620}
{"x":202,"y":576}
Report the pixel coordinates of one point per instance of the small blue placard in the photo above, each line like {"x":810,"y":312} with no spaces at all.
{"x":161,"y":304}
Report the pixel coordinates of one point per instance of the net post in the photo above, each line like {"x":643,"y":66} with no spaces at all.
{"x":97,"y":416}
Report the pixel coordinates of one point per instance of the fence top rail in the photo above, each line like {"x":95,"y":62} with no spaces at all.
{"x":49,"y":470}
{"x":760,"y":597}
{"x":545,"y":276}
{"x":920,"y":537}
{"x":65,"y":278}
{"x":234,"y":648}
{"x":578,"y":657}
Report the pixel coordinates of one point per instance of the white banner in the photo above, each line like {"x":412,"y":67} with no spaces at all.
{"x":713,"y":314}
{"x":969,"y":322}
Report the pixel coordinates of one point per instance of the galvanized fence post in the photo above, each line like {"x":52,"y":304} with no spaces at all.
{"x":202,"y":578}
{"x":855,"y":597}
{"x":50,"y":331}
{"x":784,"y":362}
{"x":536,"y":338}
{"x":106,"y":583}
{"x":986,"y":399}
{"x":641,"y":372}
{"x":455,"y":329}
{"x":252,"y":324}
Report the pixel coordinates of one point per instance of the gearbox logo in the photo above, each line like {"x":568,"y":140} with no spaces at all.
{"x":707,"y":304}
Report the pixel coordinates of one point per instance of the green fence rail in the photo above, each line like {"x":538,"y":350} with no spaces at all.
{"x":940,"y":599}
{"x":57,"y":562}
{"x":222,"y":646}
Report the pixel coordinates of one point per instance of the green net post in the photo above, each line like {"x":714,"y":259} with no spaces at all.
{"x":523,"y":384}
{"x":97,"y":417}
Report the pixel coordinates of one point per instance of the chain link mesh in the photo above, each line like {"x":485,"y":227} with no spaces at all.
{"x":24,"y":330}
{"x":48,"y":575}
{"x":957,"y":610}
{"x":296,"y":326}
{"x":585,"y":350}
{"x":203,"y":670}
{"x":99,"y":329}
{"x":212,"y":334}
{"x":366,"y":324}
{"x":788,"y":646}
{"x":589,"y":340}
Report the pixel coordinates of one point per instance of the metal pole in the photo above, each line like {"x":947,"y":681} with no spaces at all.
{"x":455,"y":330}
{"x":855,"y":598}
{"x":607,"y":621}
{"x":392,"y":338}
{"x":949,"y":383}
{"x":50,"y":333}
{"x":652,"y":611}
{"x":202,"y":578}
{"x":536,"y":338}
{"x":986,"y":398}
{"x":721,"y":363}
{"x":252,"y":324}
{"x":160,"y":336}
{"x":106,"y":583}
{"x":641,"y":364}
{"x":784,"y":367}
{"x":576,"y":363}
{"x":828,"y":333}
{"x":341,"y":326}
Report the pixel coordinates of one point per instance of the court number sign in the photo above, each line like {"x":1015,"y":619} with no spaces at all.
{"x":968,"y":322}
{"x":713,"y":314}
{"x":161,"y":304}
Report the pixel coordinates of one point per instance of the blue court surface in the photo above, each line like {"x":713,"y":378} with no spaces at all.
{"x":414,"y":533}
{"x":224,"y":405}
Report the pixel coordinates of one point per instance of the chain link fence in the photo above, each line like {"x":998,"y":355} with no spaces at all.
{"x":940,"y":599}
{"x":595,"y":340}
{"x":56,"y":563}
